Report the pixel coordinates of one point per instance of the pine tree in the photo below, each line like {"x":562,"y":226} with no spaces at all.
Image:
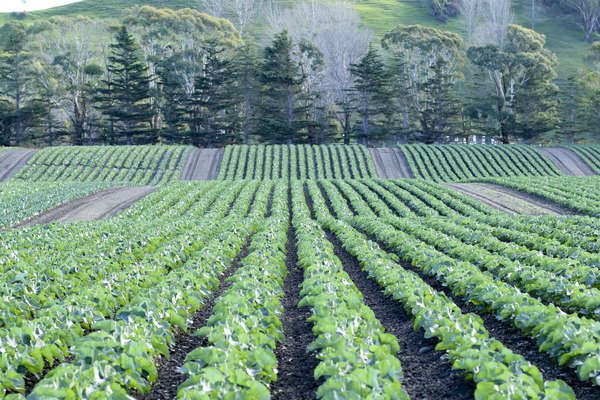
{"x":125,"y":98}
{"x":441,"y":112}
{"x":281,"y":111}
{"x":372,"y":95}
{"x":245,"y":71}
{"x":213,"y":102}
{"x":15,"y":73}
{"x":172,"y":100}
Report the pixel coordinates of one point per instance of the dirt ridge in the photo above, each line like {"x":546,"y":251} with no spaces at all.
{"x":390,"y":163}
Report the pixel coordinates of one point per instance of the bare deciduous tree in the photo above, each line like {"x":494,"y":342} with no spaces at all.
{"x":497,"y":16}
{"x":470,"y":10}
{"x":335,"y":29}
{"x":589,"y":11}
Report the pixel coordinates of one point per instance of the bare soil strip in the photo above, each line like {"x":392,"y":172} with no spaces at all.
{"x":295,"y":379}
{"x":567,"y":161}
{"x":11,"y":161}
{"x":97,"y":206}
{"x":169,"y":377}
{"x":202,"y":164}
{"x":390,"y":163}
{"x":508,"y":200}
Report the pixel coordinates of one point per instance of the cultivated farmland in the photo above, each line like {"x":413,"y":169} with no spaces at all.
{"x":299,"y":274}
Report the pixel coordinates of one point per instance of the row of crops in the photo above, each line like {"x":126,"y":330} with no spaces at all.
{"x":90,"y":309}
{"x":445,"y":163}
{"x":590,"y":154}
{"x":296,"y":162}
{"x":157,"y":165}
{"x":138,"y":165}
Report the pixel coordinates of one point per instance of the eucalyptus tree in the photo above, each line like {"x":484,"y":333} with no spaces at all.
{"x":520,"y":79}
{"x":426,"y":66}
{"x":335,"y":30}
{"x":69,"y":49}
{"x":162,"y":32}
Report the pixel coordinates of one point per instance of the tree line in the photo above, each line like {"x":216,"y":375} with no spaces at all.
{"x":181,"y":76}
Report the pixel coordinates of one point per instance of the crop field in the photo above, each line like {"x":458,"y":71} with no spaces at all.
{"x":296,"y":162}
{"x":294,"y":284}
{"x":139,"y":165}
{"x":446,"y":163}
{"x":590,"y":154}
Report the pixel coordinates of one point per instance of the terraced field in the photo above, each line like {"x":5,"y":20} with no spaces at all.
{"x":292,"y":284}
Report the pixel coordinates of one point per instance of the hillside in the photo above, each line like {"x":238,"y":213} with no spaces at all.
{"x":564,"y":36}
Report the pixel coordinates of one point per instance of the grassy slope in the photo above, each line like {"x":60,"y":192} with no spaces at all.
{"x":564,"y":37}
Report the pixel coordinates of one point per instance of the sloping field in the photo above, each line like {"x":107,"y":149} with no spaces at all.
{"x":390,"y":163}
{"x":138,"y":165}
{"x":296,"y":287}
{"x":507,"y":200}
{"x":202,"y":164}
{"x":205,"y":289}
{"x":590,"y":154}
{"x":567,"y":161}
{"x":453,"y":163}
{"x":23,"y":200}
{"x":296,"y":162}
{"x":11,"y":161}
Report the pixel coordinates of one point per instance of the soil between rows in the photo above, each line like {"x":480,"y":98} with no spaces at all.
{"x":511,"y":338}
{"x":295,"y":379}
{"x":426,"y":374}
{"x":502,"y":331}
{"x":169,"y":377}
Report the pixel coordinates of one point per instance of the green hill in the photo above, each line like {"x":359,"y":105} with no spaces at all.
{"x":564,"y":36}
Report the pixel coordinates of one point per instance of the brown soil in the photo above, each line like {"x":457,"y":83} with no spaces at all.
{"x":295,"y":379}
{"x":169,"y":377}
{"x":390,"y":163}
{"x":426,"y":375}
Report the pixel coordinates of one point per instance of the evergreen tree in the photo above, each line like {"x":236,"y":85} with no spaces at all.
{"x":125,"y":99}
{"x":440,"y":114}
{"x":15,"y":74}
{"x":281,"y":112}
{"x":245,"y":72}
{"x":372,"y":94}
{"x":172,"y":100}
{"x":213,"y":102}
{"x":521,"y":76}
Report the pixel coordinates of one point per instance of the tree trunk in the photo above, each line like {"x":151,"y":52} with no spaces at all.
{"x":347,"y":117}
